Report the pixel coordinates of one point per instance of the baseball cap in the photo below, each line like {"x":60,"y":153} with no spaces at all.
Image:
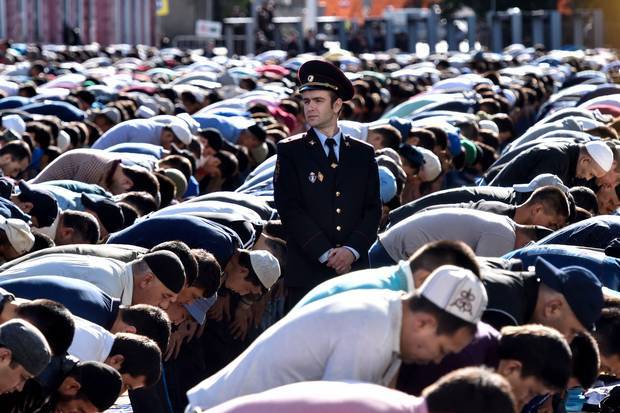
{"x":18,"y":234}
{"x":266,"y":267}
{"x":579,"y":286}
{"x":540,"y":181}
{"x":601,"y":153}
{"x":180,"y":130}
{"x":167,"y":268}
{"x":44,"y":204}
{"x":387,"y":184}
{"x":109,"y":213}
{"x":14,"y":123}
{"x":28,"y":346}
{"x":432,"y":166}
{"x":457,"y":291}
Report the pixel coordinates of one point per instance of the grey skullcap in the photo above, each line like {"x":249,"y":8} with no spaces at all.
{"x":28,"y":346}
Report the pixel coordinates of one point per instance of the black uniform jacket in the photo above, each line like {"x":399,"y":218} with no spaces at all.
{"x":323,"y":207}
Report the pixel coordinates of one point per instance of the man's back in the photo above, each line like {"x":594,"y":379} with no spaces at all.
{"x":352,"y":336}
{"x":488,"y":234}
{"x":595,"y":232}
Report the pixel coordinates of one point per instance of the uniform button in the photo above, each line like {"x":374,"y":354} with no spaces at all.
{"x":338,"y":228}
{"x":337,"y":210}
{"x":337,"y":193}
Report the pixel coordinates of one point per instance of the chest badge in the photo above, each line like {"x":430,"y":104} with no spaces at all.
{"x":312,"y":177}
{"x":321,"y":177}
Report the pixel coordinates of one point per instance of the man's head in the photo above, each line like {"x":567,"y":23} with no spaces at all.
{"x":437,"y":253}
{"x":177,"y":133}
{"x":207,"y":281}
{"x":158,"y":277}
{"x":470,"y":390}
{"x":40,"y":204}
{"x":608,"y":199}
{"x":146,"y":320}
{"x":119,"y":182}
{"x":251,"y":272}
{"x":109,"y":215}
{"x":52,"y":319}
{"x":586,"y":363}
{"x":547,"y":207}
{"x":384,"y":136}
{"x":15,"y":157}
{"x":184,"y":254}
{"x":594,"y":161}
{"x":535,"y":360}
{"x":24,"y":353}
{"x":253,"y":136}
{"x":15,"y":238}
{"x":137,"y":358}
{"x":76,"y":227}
{"x":440,"y":317}
{"x":569,"y":299}
{"x":607,"y":335}
{"x":90,"y":387}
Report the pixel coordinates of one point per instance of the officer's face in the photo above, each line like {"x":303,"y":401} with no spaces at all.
{"x":319,"y":109}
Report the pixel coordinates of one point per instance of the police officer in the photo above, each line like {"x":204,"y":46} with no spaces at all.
{"x":326,"y":187}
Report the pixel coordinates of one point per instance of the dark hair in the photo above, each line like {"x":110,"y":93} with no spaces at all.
{"x":185,"y":255}
{"x":213,"y":136}
{"x":470,"y":390}
{"x":178,"y":162}
{"x":42,"y":133}
{"x":141,"y":356}
{"x":607,"y":331}
{"x":553,"y":200}
{"x":441,"y":137}
{"x":18,"y":150}
{"x":143,"y":202}
{"x":252,"y":277}
{"x":275,"y":228}
{"x":53,"y":320}
{"x":229,"y":164}
{"x":167,"y":189}
{"x":426,"y":138}
{"x":209,"y":272}
{"x":41,"y":242}
{"x":99,"y":383}
{"x":542,"y":351}
{"x":585,"y":198}
{"x":130,"y":213}
{"x":391,"y":137}
{"x":149,"y":321}
{"x":586,"y":359}
{"x":437,"y":253}
{"x":143,"y":181}
{"x":85,"y":226}
{"x":504,"y":123}
{"x":447,"y":324}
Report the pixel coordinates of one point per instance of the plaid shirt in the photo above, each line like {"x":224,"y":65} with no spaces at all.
{"x":90,"y":166}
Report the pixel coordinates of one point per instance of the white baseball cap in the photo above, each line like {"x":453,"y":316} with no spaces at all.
{"x":432,"y":165}
{"x":18,"y":233}
{"x":144,"y":112}
{"x":14,"y":123}
{"x":601,"y":153}
{"x":180,"y":130}
{"x":457,"y":291}
{"x":540,"y":181}
{"x":266,"y":267}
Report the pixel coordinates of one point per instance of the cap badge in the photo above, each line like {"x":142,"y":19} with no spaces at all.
{"x":310,"y":78}
{"x":464,"y":302}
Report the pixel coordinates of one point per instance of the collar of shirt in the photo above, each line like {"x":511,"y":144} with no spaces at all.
{"x":405,"y":269}
{"x":127,"y":280}
{"x":323,"y":139}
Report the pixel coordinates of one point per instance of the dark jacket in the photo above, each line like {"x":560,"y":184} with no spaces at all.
{"x":559,"y":159}
{"x":323,"y":207}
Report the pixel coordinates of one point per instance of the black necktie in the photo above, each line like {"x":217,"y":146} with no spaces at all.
{"x":331,"y":155}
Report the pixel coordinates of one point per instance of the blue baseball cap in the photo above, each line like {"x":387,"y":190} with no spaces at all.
{"x":580,"y":287}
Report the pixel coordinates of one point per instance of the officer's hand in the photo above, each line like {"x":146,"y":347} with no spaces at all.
{"x":221,"y":309}
{"x":185,"y":332}
{"x":240,"y":325}
{"x":340,"y":259}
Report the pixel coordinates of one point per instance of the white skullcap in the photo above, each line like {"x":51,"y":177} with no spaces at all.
{"x":18,"y":234}
{"x":15,"y":123}
{"x":601,"y":153}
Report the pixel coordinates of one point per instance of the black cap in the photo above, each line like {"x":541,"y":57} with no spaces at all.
{"x":100,"y":383}
{"x":322,"y":75}
{"x":44,"y":204}
{"x":167,"y":268}
{"x":110,"y":214}
{"x":412,"y":155}
{"x":579,"y":286}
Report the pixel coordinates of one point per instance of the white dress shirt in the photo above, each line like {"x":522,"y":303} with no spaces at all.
{"x":91,"y":342}
{"x":351,"y":336}
{"x":114,"y":277}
